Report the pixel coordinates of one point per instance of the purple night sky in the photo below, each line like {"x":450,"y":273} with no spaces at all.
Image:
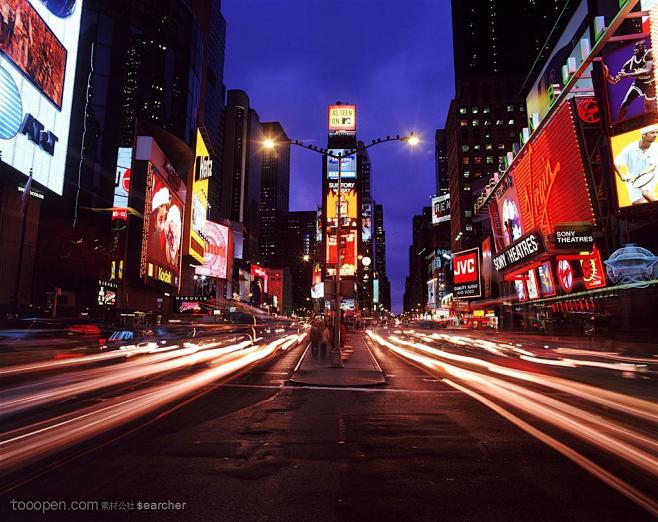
{"x":392,"y":58}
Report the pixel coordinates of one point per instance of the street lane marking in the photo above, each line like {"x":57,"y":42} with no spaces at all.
{"x":343,"y":388}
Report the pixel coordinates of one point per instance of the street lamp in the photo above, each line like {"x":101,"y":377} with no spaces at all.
{"x":270,"y":143}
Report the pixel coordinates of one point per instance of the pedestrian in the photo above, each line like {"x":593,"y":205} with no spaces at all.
{"x":325,"y":341}
{"x":316,"y":338}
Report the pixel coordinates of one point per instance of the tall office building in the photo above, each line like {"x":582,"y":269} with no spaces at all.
{"x":488,"y":112}
{"x":441,"y":162}
{"x":302,"y":249}
{"x":364,"y":167}
{"x":380,"y":257}
{"x":275,"y":193}
{"x":242,"y":168}
{"x":419,"y":251}
{"x":135,"y":61}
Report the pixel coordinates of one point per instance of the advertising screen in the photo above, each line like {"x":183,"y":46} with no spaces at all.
{"x":347,"y":165}
{"x":565,"y":275}
{"x":366,"y":222}
{"x":466,"y":273}
{"x":550,"y":178}
{"x":197,"y":201}
{"x":163,"y":229}
{"x":630,"y":79}
{"x":635,"y":156}
{"x":593,"y":271}
{"x":508,"y":212}
{"x":349,"y":258}
{"x":487,"y":266}
{"x":348,"y":208}
{"x":342,"y":119}
{"x":519,"y":288}
{"x":440,"y":209}
{"x":546,"y":282}
{"x":215,"y":260}
{"x":375,"y":290}
{"x":38,"y":49}
{"x":107,"y":293}
{"x":122,"y":184}
{"x":533,"y":290}
{"x":318,"y":224}
{"x":317,"y":291}
{"x":244,"y":284}
{"x":431,"y":292}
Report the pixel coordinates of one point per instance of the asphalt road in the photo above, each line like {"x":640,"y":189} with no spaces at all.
{"x":260,"y":448}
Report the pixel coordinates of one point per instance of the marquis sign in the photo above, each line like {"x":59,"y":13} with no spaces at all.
{"x":524,"y":249}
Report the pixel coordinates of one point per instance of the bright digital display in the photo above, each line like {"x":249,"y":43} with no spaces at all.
{"x":550,"y":179}
{"x":342,"y":119}
{"x":348,"y":203}
{"x":533,"y":290}
{"x":519,"y":288}
{"x":546,"y":282}
{"x":347,"y":165}
{"x":375,"y":290}
{"x":440,"y":209}
{"x":197,"y":201}
{"x":215,"y":261}
{"x":366,"y":222}
{"x":163,"y":229}
{"x":630,"y":79}
{"x":38,"y":52}
{"x":466,"y":273}
{"x":593,"y":271}
{"x":349,"y":257}
{"x":122,"y":183}
{"x":635,"y":156}
{"x":317,"y":291}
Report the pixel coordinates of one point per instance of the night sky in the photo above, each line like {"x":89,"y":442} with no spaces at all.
{"x":392,"y":58}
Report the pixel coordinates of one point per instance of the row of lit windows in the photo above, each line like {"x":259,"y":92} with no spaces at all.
{"x":486,"y":109}
{"x":477,"y":147}
{"x":477,"y":160}
{"x":476,"y":122}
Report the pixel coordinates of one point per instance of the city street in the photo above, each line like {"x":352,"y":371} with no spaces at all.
{"x":464,"y":429}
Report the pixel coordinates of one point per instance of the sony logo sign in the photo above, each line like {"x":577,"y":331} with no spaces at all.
{"x":522,"y":250}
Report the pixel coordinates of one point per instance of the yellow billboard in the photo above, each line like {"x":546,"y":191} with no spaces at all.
{"x":197,"y":201}
{"x":348,"y":203}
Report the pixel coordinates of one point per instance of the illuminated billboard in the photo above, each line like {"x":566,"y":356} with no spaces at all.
{"x":635,"y":156}
{"x":163,"y":230}
{"x":197,"y":201}
{"x":466,"y":273}
{"x":508,"y":212}
{"x":38,"y":50}
{"x":366,"y":222}
{"x":630,"y":79}
{"x":550,"y":179}
{"x":122,"y":184}
{"x":440,"y":209}
{"x":593,"y":271}
{"x":347,"y":165}
{"x":532,"y":285}
{"x":342,"y":119}
{"x":215,"y":261}
{"x":546,"y":282}
{"x":317,"y":291}
{"x":349,"y":257}
{"x":348,"y":208}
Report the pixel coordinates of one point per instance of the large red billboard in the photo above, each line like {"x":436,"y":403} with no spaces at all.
{"x":466,"y":273}
{"x":550,"y":177}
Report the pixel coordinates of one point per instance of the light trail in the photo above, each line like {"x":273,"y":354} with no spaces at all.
{"x":481,"y":379}
{"x":28,"y":444}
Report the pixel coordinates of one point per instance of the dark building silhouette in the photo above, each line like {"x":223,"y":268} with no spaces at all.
{"x":441,"y":162}
{"x":242,"y":168}
{"x":380,"y":257}
{"x":496,"y":43}
{"x":363,"y":176}
{"x":275,"y":193}
{"x":302,"y":249}
{"x":419,"y":251}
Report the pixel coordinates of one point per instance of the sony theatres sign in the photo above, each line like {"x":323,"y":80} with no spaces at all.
{"x":523,"y":250}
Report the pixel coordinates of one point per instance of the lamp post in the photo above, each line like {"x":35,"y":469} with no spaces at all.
{"x":270,"y":143}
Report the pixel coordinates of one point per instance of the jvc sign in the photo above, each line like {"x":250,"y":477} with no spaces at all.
{"x":466,"y":273}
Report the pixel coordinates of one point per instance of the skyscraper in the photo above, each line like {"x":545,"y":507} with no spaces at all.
{"x":275,"y":192}
{"x":493,"y":53}
{"x":363,"y":176}
{"x":302,"y":249}
{"x":380,"y":257}
{"x":441,"y":162}
{"x":242,"y":168}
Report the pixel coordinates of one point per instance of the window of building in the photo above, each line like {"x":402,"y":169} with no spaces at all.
{"x":521,"y":108}
{"x":499,"y":122}
{"x":489,"y":146}
{"x":478,"y":160}
{"x":487,"y":122}
{"x":463,"y":110}
{"x":476,"y":123}
{"x":490,"y":159}
{"x":476,"y":147}
{"x":511,"y":121}
{"x":486,"y":109}
{"x":474,"y":110}
{"x":510,"y":108}
{"x":467,"y":188}
{"x":469,"y":227}
{"x":465,"y":148}
{"x":467,"y":173}
{"x":463,"y":123}
{"x":468,"y":213}
{"x":465,"y":161}
{"x":501,"y":146}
